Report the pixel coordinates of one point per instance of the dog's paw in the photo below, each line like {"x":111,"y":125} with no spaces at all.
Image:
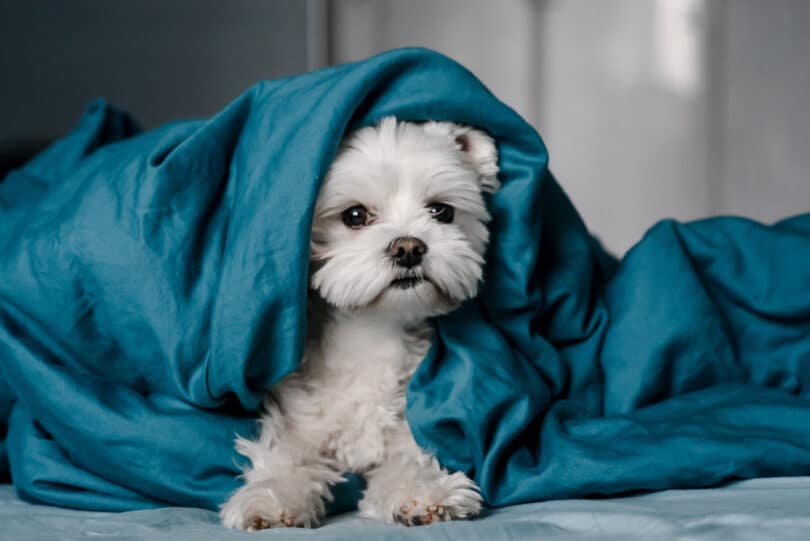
{"x":453,"y":497}
{"x":261,"y":522}
{"x":416,"y":513}
{"x":253,"y":509}
{"x":267,"y":515}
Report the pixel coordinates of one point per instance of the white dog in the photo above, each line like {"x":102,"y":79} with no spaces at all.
{"x":399,"y":235}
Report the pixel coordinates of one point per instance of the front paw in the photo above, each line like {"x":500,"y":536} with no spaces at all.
{"x":254,"y":508}
{"x":416,"y":513}
{"x":265,"y":521}
{"x":453,"y":497}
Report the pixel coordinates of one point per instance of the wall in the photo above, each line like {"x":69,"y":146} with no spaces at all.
{"x":765,"y":111}
{"x":650,"y":108}
{"x":160,"y":60}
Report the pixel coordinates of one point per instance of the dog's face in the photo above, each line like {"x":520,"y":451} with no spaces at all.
{"x":400,"y":222}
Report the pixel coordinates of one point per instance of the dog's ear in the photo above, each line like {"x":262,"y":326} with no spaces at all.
{"x":482,"y":154}
{"x":478,"y":148}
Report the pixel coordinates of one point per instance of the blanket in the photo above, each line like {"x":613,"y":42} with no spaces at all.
{"x":153,"y":284}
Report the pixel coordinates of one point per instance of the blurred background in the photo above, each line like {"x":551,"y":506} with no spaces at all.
{"x":650,"y":108}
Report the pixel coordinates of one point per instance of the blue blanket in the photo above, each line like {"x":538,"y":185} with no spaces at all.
{"x":153,"y":284}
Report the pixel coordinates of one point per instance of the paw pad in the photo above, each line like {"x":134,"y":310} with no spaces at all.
{"x":414,"y":514}
{"x":262,"y":523}
{"x":258,"y":523}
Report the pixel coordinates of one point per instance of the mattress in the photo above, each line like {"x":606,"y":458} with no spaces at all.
{"x":776,"y":508}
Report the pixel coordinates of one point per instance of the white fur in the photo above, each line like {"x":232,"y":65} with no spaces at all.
{"x":343,"y":409}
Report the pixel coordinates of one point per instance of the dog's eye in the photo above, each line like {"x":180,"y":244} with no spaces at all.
{"x":441,"y":212}
{"x":355,"y":217}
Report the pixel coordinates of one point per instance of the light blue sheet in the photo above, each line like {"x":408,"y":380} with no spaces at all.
{"x":762,"y":509}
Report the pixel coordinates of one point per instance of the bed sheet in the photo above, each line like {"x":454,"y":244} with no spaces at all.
{"x":773,"y":509}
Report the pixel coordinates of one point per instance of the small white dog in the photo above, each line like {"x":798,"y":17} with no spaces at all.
{"x":399,"y":235}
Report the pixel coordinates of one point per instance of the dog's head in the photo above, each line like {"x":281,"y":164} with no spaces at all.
{"x":400,"y":224}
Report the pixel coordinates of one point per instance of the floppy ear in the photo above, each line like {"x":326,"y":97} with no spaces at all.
{"x":478,"y":148}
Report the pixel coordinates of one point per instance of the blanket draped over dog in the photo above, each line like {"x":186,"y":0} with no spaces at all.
{"x":153,"y":284}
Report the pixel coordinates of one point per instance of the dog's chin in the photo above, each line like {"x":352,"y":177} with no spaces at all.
{"x":406,"y":298}
{"x":411,"y":297}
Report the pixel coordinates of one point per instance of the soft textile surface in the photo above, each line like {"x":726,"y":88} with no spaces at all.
{"x":761,"y":509}
{"x":153,"y":284}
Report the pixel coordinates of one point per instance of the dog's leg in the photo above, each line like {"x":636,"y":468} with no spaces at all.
{"x":285,"y":488}
{"x":411,"y":488}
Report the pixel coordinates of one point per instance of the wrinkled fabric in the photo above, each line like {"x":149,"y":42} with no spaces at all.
{"x":153,"y":285}
{"x":772,"y":509}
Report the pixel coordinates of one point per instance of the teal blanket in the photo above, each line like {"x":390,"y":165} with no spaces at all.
{"x":153,"y":284}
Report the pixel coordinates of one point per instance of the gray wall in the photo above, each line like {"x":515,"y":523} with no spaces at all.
{"x":161,"y":60}
{"x":650,"y":108}
{"x":765,"y":109}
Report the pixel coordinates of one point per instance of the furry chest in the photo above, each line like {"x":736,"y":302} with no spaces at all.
{"x":362,"y":395}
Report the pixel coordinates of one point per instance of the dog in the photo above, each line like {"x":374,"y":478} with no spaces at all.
{"x":399,"y":234}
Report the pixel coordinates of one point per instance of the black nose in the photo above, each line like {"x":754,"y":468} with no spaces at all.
{"x":407,"y":251}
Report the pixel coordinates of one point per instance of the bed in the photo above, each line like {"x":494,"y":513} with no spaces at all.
{"x":772,"y":509}
{"x":685,"y":365}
